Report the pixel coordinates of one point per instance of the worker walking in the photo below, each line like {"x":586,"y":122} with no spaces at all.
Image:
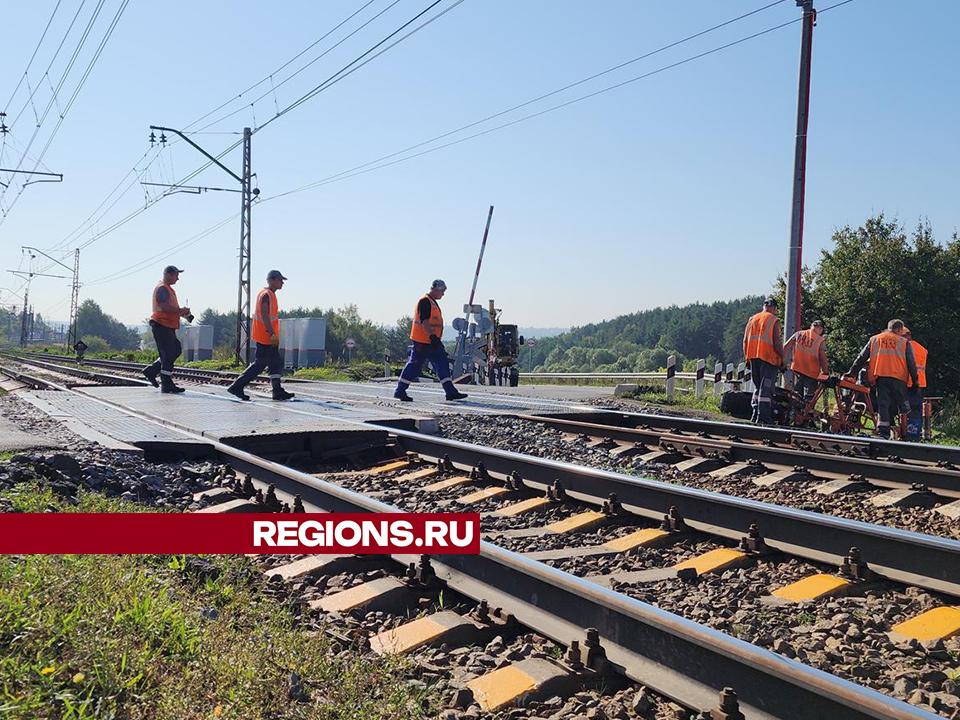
{"x":809,"y":359}
{"x":890,"y":366}
{"x":916,"y":390}
{"x":164,"y":323}
{"x":763,"y":349}
{"x":426,"y":333}
{"x":266,"y":334}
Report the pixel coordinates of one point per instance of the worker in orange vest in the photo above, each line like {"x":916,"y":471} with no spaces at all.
{"x":890,"y":366}
{"x":916,"y":390}
{"x":809,"y":359}
{"x":763,"y":349}
{"x":425,"y":334}
{"x":266,"y":334}
{"x":164,"y":323}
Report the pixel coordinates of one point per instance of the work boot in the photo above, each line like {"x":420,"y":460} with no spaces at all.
{"x":282,"y":394}
{"x":401,"y":394}
{"x":238,"y":392}
{"x":167,"y":386}
{"x":151,"y":376}
{"x":454,"y":394}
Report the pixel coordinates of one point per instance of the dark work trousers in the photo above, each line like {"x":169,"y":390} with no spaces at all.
{"x":419,"y":354}
{"x":267,"y":356}
{"x":915,"y":394}
{"x":764,"y":376}
{"x":169,"y":348}
{"x":891,"y":401}
{"x":806,"y":386}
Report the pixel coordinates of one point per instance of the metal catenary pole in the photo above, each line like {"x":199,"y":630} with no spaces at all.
{"x":247,"y":193}
{"x":74,"y":297}
{"x":792,"y":310}
{"x":243,"y":289}
{"x":23,"y":321}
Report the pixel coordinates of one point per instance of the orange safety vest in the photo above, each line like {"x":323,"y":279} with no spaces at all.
{"x":920,"y":355}
{"x":888,"y":357}
{"x":259,"y":333}
{"x":421,"y":331}
{"x":161,"y":316}
{"x":806,"y":353}
{"x":760,"y":329}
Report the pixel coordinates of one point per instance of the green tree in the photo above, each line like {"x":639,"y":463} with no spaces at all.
{"x":93,"y":322}
{"x":877,"y":272}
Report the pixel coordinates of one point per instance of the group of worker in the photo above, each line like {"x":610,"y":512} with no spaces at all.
{"x":426,"y":335}
{"x":264,"y":331}
{"x":896,"y":364}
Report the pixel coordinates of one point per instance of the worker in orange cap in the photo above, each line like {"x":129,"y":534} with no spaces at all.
{"x":266,"y":334}
{"x":164,"y":323}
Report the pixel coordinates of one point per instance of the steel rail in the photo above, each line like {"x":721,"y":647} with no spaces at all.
{"x":892,"y":553}
{"x":31,"y":380}
{"x":683,"y":660}
{"x":878,"y":447}
{"x":103,"y":378}
{"x":873,"y":446}
{"x":945,"y":481}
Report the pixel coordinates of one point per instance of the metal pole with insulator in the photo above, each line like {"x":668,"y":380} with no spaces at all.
{"x":795,"y":261}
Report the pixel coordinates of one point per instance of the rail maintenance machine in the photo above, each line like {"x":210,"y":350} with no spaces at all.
{"x":487,"y":350}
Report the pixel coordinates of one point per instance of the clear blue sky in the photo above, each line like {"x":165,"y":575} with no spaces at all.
{"x":672,"y":189}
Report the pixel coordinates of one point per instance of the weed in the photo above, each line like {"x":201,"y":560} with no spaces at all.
{"x":109,"y":636}
{"x":805,"y":618}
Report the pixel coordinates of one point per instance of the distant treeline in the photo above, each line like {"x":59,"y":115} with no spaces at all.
{"x":641,"y":341}
{"x":869,"y":275}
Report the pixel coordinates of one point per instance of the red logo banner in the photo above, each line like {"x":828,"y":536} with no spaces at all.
{"x":201,"y":533}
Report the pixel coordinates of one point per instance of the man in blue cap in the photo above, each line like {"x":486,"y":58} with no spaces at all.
{"x":425,"y":334}
{"x":266,"y":334}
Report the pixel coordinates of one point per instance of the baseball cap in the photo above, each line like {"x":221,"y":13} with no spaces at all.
{"x":817,"y":322}
{"x":438,"y":285}
{"x":770,"y":301}
{"x":275,"y":275}
{"x":171,"y":269}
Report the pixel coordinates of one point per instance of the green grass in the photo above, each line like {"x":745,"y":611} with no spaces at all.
{"x":124,"y":636}
{"x":687,"y":401}
{"x":227,"y":365}
{"x":357,"y":372}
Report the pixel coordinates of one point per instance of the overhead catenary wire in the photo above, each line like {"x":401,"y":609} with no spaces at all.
{"x":124,"y":273}
{"x":56,"y":54}
{"x":287,"y":64}
{"x":339,"y":75}
{"x":90,"y":65}
{"x":34,"y":54}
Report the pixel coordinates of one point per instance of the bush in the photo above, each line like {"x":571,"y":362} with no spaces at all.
{"x":96,"y":345}
{"x":946,"y":422}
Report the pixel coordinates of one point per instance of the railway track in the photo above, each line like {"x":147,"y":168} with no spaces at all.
{"x":680,"y":659}
{"x":776,"y":457}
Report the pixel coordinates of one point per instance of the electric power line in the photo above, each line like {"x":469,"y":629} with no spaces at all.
{"x":351,"y":173}
{"x":63,"y":114}
{"x":34,"y":55}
